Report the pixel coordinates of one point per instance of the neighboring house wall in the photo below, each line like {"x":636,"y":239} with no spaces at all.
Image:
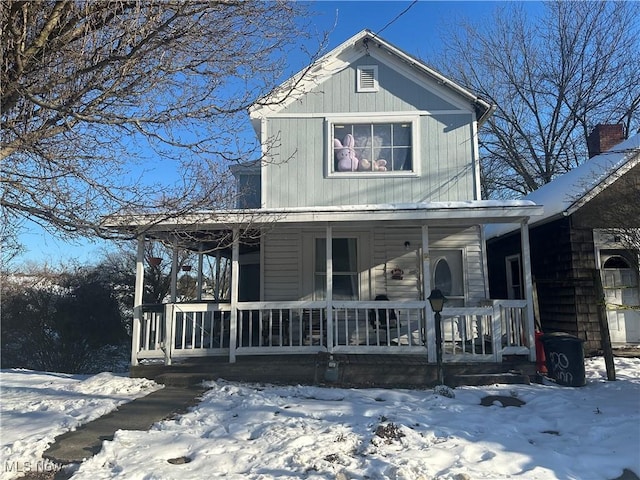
{"x":562,"y":265}
{"x":443,"y":138}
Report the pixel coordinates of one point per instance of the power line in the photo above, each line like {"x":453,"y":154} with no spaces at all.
{"x":397,"y":17}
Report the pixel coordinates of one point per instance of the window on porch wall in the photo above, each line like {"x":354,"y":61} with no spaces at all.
{"x":345,"y":269}
{"x":514,"y":278}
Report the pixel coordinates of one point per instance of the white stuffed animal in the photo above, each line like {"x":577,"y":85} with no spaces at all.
{"x":378,"y":165}
{"x":345,"y":154}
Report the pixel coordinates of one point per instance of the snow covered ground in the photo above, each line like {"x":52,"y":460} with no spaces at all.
{"x":242,"y":431}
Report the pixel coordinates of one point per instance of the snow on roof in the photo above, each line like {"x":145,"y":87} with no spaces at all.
{"x":572,"y":190}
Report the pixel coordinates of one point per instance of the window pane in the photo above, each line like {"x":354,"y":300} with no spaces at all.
{"x":442,"y":277}
{"x":345,"y":270}
{"x":382,"y":132}
{"x":402,"y":134}
{"x":345,"y":287}
{"x":321,"y":257}
{"x":321,"y":283}
{"x":344,"y":255}
{"x":401,"y":158}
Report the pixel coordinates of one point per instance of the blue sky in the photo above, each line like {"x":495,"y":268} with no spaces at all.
{"x":417,"y":31}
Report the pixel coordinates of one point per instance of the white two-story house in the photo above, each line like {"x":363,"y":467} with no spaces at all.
{"x":369,"y":201}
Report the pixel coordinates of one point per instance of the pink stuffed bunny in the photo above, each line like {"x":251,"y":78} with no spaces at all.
{"x":345,"y":154}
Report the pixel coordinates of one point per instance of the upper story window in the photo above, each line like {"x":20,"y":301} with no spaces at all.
{"x":367,"y":147}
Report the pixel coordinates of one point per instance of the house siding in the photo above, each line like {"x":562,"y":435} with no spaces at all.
{"x":297,"y":172}
{"x":288,"y":262}
{"x":397,"y":93}
{"x":282,"y":257}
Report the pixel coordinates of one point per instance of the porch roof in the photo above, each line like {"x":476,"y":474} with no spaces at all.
{"x":427,"y":213}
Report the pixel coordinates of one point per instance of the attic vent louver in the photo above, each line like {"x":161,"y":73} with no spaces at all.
{"x":367,"y":78}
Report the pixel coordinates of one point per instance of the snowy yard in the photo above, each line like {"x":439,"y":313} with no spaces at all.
{"x":242,"y":431}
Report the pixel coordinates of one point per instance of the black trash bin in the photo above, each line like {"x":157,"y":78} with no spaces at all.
{"x":565,"y":358}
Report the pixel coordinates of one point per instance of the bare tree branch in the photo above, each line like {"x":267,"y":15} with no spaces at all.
{"x":553,"y":77}
{"x":114,"y":107}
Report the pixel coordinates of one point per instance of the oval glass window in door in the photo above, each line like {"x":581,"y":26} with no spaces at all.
{"x":442,"y":279}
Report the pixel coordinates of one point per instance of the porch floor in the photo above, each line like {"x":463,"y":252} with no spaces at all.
{"x":344,"y":370}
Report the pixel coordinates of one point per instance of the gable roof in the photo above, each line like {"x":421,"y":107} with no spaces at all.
{"x":340,"y":58}
{"x":572,"y":190}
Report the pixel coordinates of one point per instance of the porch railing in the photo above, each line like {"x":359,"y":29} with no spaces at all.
{"x":486,"y":332}
{"x":483,"y":333}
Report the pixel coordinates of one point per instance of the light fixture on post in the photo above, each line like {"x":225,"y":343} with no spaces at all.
{"x":407,"y":244}
{"x":437,"y":300}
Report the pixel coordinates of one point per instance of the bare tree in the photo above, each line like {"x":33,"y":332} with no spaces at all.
{"x":94,"y":90}
{"x":553,"y":77}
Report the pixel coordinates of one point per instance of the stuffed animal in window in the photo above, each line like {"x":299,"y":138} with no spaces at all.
{"x":376,"y":165}
{"x":345,"y":154}
{"x":373,"y":145}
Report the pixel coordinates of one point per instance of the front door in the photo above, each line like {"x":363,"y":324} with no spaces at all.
{"x":622,"y":295}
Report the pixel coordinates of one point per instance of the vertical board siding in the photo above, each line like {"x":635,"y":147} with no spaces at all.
{"x":296,"y":175}
{"x":297,"y":167}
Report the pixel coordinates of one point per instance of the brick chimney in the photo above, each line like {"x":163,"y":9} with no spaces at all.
{"x":603,"y":137}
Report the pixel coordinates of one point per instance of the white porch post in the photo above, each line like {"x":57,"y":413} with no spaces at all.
{"x":235,"y":273}
{"x":137,"y":302}
{"x":216,"y":291}
{"x":174,"y":273}
{"x":528,"y":288}
{"x":329,"y":298}
{"x":429,"y":317}
{"x":199,"y":278}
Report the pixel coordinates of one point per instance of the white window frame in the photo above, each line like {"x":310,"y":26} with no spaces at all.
{"x":364,"y":89}
{"x":357,"y":273}
{"x":372,"y":119}
{"x":508,"y":261}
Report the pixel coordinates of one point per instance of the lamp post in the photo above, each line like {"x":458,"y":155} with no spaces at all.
{"x":437,"y":299}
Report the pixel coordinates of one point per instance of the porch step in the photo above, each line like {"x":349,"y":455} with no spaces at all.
{"x":488,"y":379}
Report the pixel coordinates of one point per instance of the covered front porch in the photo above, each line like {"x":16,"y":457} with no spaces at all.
{"x":388,"y":314}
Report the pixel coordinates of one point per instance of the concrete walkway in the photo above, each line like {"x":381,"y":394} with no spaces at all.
{"x":139,"y":414}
